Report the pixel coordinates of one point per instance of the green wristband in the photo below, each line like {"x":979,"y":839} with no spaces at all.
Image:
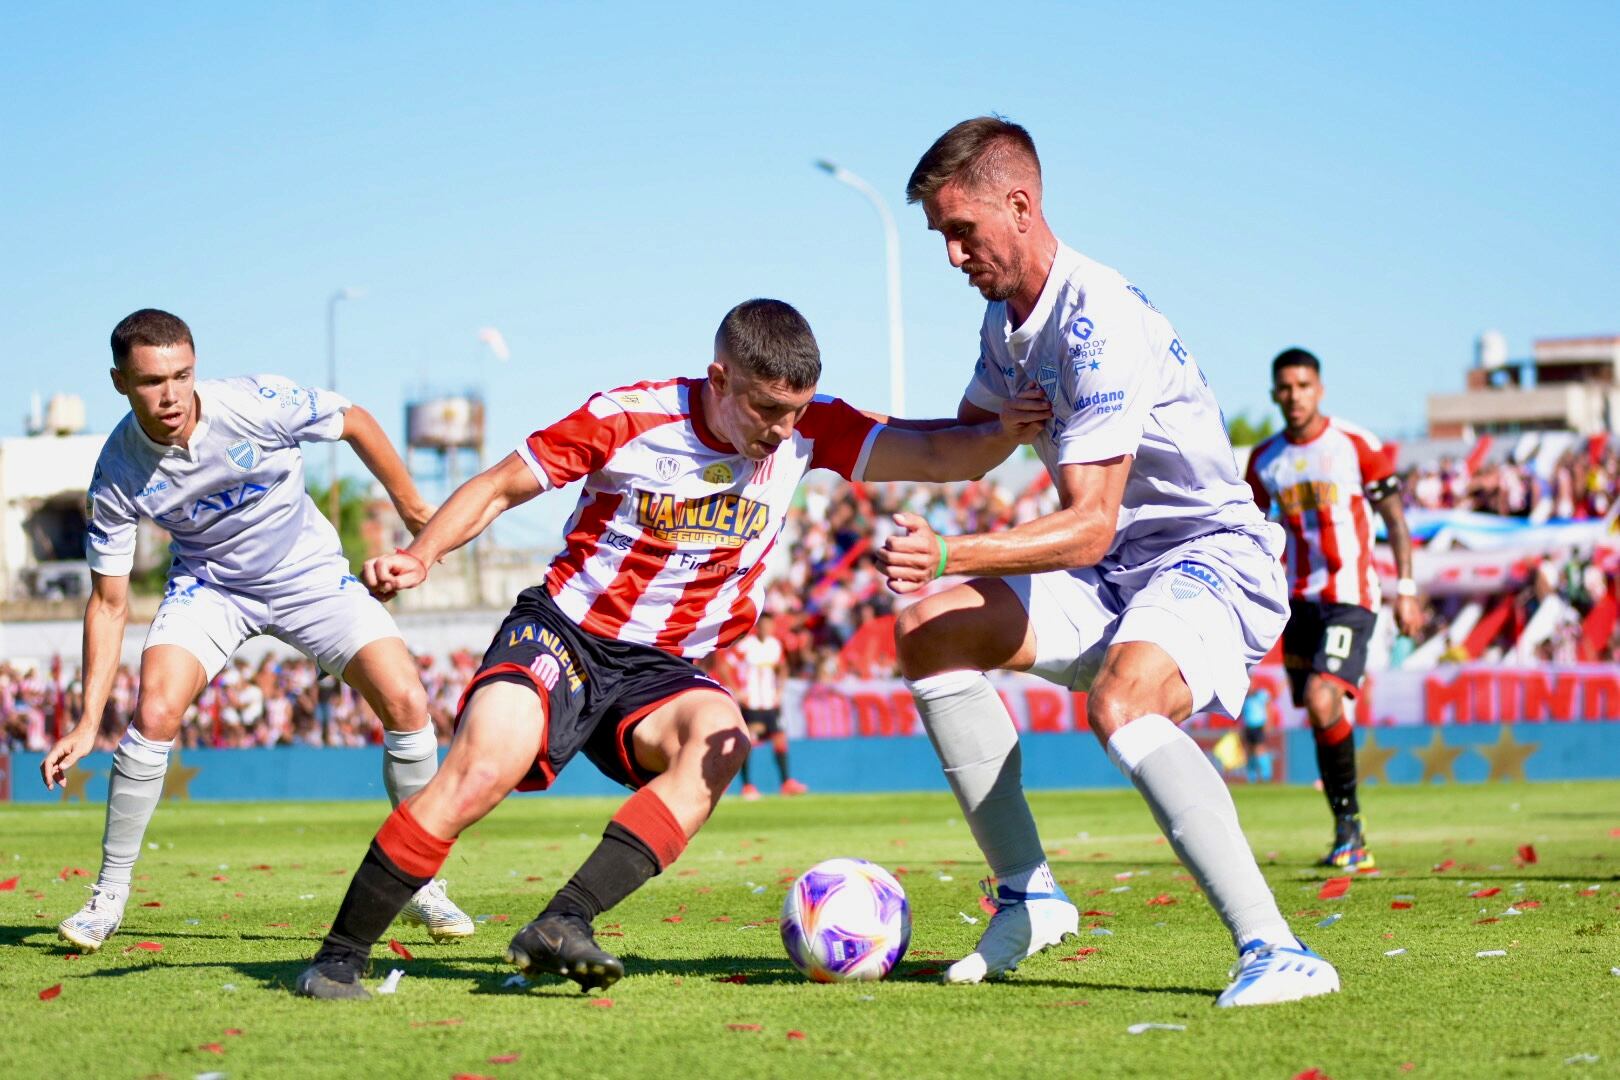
{"x":939,"y":571}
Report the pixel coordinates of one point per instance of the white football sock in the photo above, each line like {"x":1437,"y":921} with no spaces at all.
{"x":978,"y":747}
{"x":1195,"y":811}
{"x":134,"y":787}
{"x":410,"y":758}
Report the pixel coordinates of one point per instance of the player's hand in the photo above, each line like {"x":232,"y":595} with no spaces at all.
{"x":909,"y":559}
{"x":1026,"y":414}
{"x":416,"y":517}
{"x":1408,"y":616}
{"x":389,"y":574}
{"x":65,"y":754}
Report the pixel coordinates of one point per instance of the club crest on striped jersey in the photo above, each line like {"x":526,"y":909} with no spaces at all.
{"x":719,"y":473}
{"x":724,"y":519}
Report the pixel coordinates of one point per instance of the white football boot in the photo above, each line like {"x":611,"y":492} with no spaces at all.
{"x":431,"y":908}
{"x":98,"y":920}
{"x":1023,"y":925}
{"x":1269,"y":974}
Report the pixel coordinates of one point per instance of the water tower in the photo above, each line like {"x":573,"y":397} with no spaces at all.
{"x":444,"y":445}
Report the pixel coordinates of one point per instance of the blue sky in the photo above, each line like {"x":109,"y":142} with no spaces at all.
{"x":602,"y":181}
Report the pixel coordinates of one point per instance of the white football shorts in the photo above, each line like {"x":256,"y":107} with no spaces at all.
{"x":1216,"y":605}
{"x":330,"y":617}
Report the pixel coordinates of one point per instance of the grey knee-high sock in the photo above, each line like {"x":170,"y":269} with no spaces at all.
{"x":410,"y":758}
{"x":134,"y":787}
{"x":978,"y":747}
{"x":1194,"y":809}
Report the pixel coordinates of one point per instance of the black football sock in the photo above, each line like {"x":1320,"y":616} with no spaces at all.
{"x":377,"y":894}
{"x":621,"y":864}
{"x":782,"y":765}
{"x":745,"y":776}
{"x":1336,"y":763}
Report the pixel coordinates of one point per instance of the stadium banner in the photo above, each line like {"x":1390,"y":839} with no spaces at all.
{"x":1452,"y":695}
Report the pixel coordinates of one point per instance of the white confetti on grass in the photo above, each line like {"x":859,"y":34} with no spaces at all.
{"x":1330,"y":920}
{"x":1582,"y":1059}
{"x":969,"y":919}
{"x":1137,"y":1029}
{"x":1395,"y":952}
{"x":519,"y":981}
{"x":391,"y":984}
{"x":1490,"y":952}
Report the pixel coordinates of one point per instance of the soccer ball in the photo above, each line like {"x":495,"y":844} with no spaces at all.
{"x":846,"y":920}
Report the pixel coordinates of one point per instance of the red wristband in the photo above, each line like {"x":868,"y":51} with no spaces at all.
{"x":413,"y":558}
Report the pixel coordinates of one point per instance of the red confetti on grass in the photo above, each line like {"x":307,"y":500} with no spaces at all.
{"x":1080,"y":954}
{"x":51,"y":992}
{"x":1401,"y":905}
{"x":233,"y":1031}
{"x":534,"y":877}
{"x":149,"y":946}
{"x":673,"y":918}
{"x":72,"y":871}
{"x":610,"y":933}
{"x":1095,"y":914}
{"x":1486,"y":922}
{"x":1481,"y":894}
{"x":986,"y":905}
{"x":500,"y":918}
{"x":399,"y":950}
{"x":1312,"y":1074}
{"x":1522,"y":904}
{"x":602,"y":1003}
{"x":1442,"y":867}
{"x":1527,"y":855}
{"x":153,"y":903}
{"x":470,"y":1076}
{"x":219,"y":877}
{"x":739,"y":978}
{"x":278,"y":925}
{"x":8,"y":885}
{"x":721,"y":918}
{"x":213,"y":1048}
{"x":70,"y":956}
{"x":1162,"y":900}
{"x":261,"y":866}
{"x":745,"y":1027}
{"x":796,"y":1034}
{"x":505,"y":1059}
{"x":1068,"y":1004}
{"x":1333,"y":888}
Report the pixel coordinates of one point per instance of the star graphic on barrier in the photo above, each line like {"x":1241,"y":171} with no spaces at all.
{"x":1438,"y":759}
{"x":1507,"y":756}
{"x":177,"y":781}
{"x":1372,"y":760}
{"x":74,"y":782}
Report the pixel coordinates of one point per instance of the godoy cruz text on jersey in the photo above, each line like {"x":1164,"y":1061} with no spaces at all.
{"x":725,"y":519}
{"x":1308,"y":496}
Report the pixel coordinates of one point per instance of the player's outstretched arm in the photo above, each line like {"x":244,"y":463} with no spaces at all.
{"x":1408,"y":612}
{"x":377,"y":453}
{"x":104,"y":618}
{"x":943,"y":451}
{"x":464,"y":515}
{"x":1079,"y":534}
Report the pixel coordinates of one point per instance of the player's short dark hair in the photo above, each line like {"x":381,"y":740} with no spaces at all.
{"x":772,"y":341}
{"x":975,"y":152}
{"x":1295,"y":357}
{"x":150,"y":327}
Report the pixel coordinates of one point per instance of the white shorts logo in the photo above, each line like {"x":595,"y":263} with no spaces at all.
{"x":546,"y":669}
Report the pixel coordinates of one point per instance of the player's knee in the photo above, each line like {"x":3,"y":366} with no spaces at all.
{"x":475,"y":790}
{"x":158,"y":719}
{"x":723,"y":741}
{"x":918,"y":645}
{"x":406,"y":708}
{"x":1324,"y":703}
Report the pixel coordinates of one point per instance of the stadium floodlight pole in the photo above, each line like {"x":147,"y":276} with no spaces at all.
{"x":891,"y":251}
{"x":333,"y":504}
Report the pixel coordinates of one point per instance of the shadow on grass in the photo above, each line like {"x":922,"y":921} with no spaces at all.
{"x":282,"y":974}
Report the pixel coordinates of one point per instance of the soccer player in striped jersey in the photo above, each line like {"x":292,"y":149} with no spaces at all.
{"x":217,"y":463}
{"x":1320,"y":477}
{"x":762,"y":667}
{"x":685,"y":485}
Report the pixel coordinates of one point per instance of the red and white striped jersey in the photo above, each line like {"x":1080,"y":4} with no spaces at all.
{"x":761,"y":658}
{"x":1317,"y":488}
{"x":669,"y":541}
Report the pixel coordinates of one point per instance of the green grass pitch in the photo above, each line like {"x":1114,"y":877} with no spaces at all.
{"x":237,"y":895}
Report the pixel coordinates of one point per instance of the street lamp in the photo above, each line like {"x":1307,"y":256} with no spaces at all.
{"x":332,"y":503}
{"x":891,"y":251}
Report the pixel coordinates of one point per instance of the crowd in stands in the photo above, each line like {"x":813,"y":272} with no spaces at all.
{"x":836,"y":619}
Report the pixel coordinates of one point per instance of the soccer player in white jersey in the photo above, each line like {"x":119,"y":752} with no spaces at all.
{"x":686,"y":483}
{"x":216,"y":462}
{"x":764,"y":667}
{"x":1155,"y":586}
{"x":1320,"y":474}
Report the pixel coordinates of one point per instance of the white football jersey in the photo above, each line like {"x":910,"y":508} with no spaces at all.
{"x":233,"y":501}
{"x":1121,"y":382}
